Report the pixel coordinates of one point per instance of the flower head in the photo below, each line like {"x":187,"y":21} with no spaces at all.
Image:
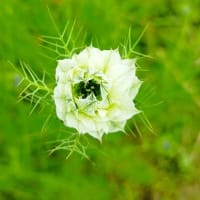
{"x":95,"y":91}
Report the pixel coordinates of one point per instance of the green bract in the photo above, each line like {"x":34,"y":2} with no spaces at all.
{"x":95,"y":91}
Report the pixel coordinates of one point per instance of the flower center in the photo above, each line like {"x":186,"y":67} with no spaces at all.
{"x":83,"y":89}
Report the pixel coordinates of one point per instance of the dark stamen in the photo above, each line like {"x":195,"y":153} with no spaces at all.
{"x":83,"y":89}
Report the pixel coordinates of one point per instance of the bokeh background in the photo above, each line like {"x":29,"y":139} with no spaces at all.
{"x":160,"y":165}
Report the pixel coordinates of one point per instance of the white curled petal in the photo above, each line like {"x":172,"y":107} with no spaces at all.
{"x":117,"y":126}
{"x":66,"y":64}
{"x":121,"y":69}
{"x":60,"y":108}
{"x":135,"y":88}
{"x":115,"y":57}
{"x":71,"y":120}
{"x":87,"y":122}
{"x":63,"y":67}
{"x":122,"y":111}
{"x":97,"y":134}
{"x":98,"y":60}
{"x":82,"y":58}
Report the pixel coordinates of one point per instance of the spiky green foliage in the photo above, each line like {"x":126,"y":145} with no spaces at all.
{"x":72,"y":144}
{"x":33,"y":88}
{"x":128,"y":46}
{"x":66,"y":42}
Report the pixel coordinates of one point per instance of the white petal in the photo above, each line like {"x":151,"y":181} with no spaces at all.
{"x":98,"y":60}
{"x":58,"y":91}
{"x":81,"y":59}
{"x":117,"y":126}
{"x":97,"y":134}
{"x":121,"y":112}
{"x":120,"y":69}
{"x":63,"y":67}
{"x":135,"y":88}
{"x":115,"y":57}
{"x":66,"y":64}
{"x":70,"y":120}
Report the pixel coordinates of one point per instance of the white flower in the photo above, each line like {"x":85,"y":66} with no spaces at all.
{"x":95,"y":91}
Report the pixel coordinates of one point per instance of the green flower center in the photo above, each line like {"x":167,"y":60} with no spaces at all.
{"x":83,"y":89}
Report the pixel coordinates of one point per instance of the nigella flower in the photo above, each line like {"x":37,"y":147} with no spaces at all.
{"x":95,"y":91}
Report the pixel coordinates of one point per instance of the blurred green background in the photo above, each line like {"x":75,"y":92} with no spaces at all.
{"x":157,"y":166}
